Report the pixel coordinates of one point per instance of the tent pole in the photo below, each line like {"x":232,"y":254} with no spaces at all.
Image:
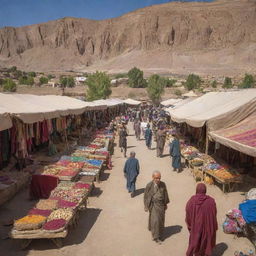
{"x":207,"y":142}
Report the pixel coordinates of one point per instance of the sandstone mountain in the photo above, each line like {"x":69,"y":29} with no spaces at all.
{"x":210,"y":38}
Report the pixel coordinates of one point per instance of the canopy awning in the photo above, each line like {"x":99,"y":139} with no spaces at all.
{"x":170,"y":102}
{"x":241,"y":137}
{"x":132,"y":102}
{"x":218,"y":109}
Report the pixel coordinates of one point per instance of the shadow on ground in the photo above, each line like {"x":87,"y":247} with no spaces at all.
{"x":171,"y":230}
{"x":104,"y":176}
{"x":96,"y":192}
{"x":139,"y":192}
{"x":219,"y":249}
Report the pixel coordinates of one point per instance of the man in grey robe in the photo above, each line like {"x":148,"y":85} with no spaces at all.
{"x":155,"y":201}
{"x":160,"y":141}
{"x":131,"y":172}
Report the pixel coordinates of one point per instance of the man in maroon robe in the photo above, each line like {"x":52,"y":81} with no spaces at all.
{"x":201,"y":222}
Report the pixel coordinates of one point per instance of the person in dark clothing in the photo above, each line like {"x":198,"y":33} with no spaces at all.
{"x":131,"y":172}
{"x":201,"y":219}
{"x":175,"y":153}
{"x":155,"y":202}
{"x":148,"y":136}
{"x":122,"y":139}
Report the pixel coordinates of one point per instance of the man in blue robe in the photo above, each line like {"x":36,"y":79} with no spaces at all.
{"x":131,"y":171}
{"x":175,"y":153}
{"x":148,"y":136}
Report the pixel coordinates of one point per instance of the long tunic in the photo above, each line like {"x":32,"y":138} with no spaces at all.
{"x":122,"y":138}
{"x":137,"y":129}
{"x":175,"y":153}
{"x":160,"y":141}
{"x":155,"y":200}
{"x":148,"y":137}
{"x":131,"y":171}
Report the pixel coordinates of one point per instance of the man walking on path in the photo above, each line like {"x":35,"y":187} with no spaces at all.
{"x":131,"y":172}
{"x":137,"y":129}
{"x":201,"y":222}
{"x":175,"y":153}
{"x":122,"y":139}
{"x":155,"y":201}
{"x":148,"y":136}
{"x":160,"y":141}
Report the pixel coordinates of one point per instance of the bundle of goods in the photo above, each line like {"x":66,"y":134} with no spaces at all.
{"x":93,"y":162}
{"x":85,"y":149}
{"x":189,"y":152}
{"x":55,"y":225}
{"x":73,"y":195}
{"x":89,"y":172}
{"x":47,"y":204}
{"x":63,"y":213}
{"x":220,"y":171}
{"x":197,"y":162}
{"x":29,"y":222}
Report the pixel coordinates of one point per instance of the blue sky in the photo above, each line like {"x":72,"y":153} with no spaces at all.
{"x":25,"y":12}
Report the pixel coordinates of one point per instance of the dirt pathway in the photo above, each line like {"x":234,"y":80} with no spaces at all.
{"x":116,"y":225}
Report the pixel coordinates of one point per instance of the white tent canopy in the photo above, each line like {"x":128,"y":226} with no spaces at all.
{"x":170,"y":102}
{"x":132,"y":102}
{"x":5,"y":120}
{"x":218,"y":109}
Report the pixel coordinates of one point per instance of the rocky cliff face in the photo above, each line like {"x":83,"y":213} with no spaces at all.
{"x":173,"y":36}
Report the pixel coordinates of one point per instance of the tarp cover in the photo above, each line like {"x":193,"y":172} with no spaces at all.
{"x":5,"y":120}
{"x":241,"y":137}
{"x":132,"y":102}
{"x":170,"y":102}
{"x":217,"y":109}
{"x":179,"y":104}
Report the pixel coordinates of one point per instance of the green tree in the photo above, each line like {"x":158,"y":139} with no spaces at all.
{"x":193,"y":82}
{"x":214,"y":84}
{"x":156,"y":85}
{"x":170,"y":82}
{"x":43,"y":80}
{"x":50,"y":77}
{"x":99,"y":86}
{"x":67,"y":81}
{"x":1,"y":81}
{"x":178,"y":92}
{"x":248,"y":81}
{"x":9,"y":85}
{"x":121,"y":75}
{"x":32,"y":74}
{"x":136,"y":79}
{"x":227,"y":83}
{"x":27,"y":80}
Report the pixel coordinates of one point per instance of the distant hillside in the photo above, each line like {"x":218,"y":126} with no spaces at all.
{"x":209,"y":38}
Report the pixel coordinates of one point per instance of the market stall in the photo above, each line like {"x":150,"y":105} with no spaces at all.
{"x":51,"y":218}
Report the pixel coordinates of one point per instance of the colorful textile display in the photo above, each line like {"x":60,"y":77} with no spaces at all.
{"x":42,"y":185}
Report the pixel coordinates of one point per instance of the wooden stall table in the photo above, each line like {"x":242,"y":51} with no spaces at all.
{"x":227,"y":184}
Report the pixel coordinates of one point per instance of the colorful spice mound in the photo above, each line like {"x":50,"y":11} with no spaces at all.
{"x":75,"y":165}
{"x":47,"y":204}
{"x":65,"y":214}
{"x":66,"y":204}
{"x":54,"y":224}
{"x":82,"y":185}
{"x":44,"y":213}
{"x":29,"y":222}
{"x":68,"y":172}
{"x":74,"y":195}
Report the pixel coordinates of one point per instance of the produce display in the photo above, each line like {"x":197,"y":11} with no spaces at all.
{"x":74,"y":195}
{"x":80,"y":185}
{"x":54,"y":224}
{"x":66,"y":204}
{"x":65,"y":214}
{"x":29,"y":222}
{"x":36,"y":211}
{"x":47,"y":204}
